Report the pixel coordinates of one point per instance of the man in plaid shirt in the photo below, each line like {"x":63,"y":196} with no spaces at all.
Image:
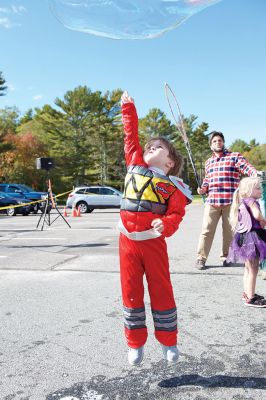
{"x":222,"y":175}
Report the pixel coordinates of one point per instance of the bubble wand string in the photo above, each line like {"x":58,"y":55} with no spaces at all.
{"x":179,"y":122}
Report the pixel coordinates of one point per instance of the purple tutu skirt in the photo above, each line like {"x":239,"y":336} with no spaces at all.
{"x":248,"y":246}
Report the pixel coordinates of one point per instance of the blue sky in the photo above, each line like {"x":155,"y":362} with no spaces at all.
{"x":215,"y":62}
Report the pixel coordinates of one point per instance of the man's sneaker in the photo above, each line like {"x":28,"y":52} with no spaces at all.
{"x":200,"y":264}
{"x":257,"y":296}
{"x":135,"y":356}
{"x":170,"y":353}
{"x":255,"y":302}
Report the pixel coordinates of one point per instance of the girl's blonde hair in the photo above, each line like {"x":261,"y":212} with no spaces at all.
{"x":244,"y":190}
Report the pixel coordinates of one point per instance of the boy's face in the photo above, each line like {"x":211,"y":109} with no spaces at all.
{"x":156,"y":154}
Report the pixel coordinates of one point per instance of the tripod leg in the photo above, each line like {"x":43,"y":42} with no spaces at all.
{"x":39,"y":222}
{"x":41,"y":217}
{"x":61,"y":215}
{"x":45,"y":214}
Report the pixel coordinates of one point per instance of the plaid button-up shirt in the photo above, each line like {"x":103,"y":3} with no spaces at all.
{"x":222,"y":176}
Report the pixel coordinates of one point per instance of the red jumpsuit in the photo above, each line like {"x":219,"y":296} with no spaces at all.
{"x":148,"y":195}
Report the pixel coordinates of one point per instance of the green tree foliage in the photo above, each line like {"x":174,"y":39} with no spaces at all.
{"x":254,"y":152}
{"x":241,"y":146}
{"x":257,"y":157}
{"x":18,"y":164}
{"x":82,"y":133}
{"x":155,"y":124}
{"x":28,"y":116}
{"x":2,"y":85}
{"x":9,"y":120}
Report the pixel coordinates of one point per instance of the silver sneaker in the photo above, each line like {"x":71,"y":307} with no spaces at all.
{"x":170,"y":353}
{"x":135,"y":356}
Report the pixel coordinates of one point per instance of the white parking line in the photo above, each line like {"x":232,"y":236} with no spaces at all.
{"x":38,"y":238}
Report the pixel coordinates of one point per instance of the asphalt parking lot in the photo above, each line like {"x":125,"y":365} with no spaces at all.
{"x":61,"y":318}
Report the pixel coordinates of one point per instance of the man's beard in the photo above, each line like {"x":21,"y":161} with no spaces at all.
{"x":220,"y":150}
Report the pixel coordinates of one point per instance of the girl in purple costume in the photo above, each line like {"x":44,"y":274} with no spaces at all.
{"x":249,"y":242}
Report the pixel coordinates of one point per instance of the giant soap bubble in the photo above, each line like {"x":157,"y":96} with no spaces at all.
{"x":126,"y":19}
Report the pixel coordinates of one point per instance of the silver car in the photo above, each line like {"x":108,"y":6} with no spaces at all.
{"x":87,"y":198}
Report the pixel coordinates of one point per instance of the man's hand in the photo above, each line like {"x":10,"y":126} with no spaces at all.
{"x":125,"y":98}
{"x":202,"y":190}
{"x":158,"y":225}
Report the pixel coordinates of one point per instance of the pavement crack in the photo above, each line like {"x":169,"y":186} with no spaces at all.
{"x":63,"y":262}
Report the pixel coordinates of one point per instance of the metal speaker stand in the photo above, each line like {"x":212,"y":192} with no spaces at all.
{"x":50,"y":205}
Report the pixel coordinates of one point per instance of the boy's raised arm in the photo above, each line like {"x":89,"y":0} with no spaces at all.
{"x":133,"y":150}
{"x":125,"y":98}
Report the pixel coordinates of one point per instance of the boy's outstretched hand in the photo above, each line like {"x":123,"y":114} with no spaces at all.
{"x":125,"y":98}
{"x":158,"y":225}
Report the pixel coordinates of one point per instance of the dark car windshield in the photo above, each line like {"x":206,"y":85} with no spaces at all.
{"x":2,"y":194}
{"x":26,"y":188}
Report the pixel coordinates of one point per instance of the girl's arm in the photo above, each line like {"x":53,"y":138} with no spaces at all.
{"x":257,"y":214}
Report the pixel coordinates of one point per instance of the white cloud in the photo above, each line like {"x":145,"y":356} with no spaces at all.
{"x":5,"y":22}
{"x":4,"y":10}
{"x":18,"y":9}
{"x":11,"y":87}
{"x":38,"y":97}
{"x":12,"y":11}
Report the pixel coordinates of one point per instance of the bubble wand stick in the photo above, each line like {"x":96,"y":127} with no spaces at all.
{"x":179,"y":122}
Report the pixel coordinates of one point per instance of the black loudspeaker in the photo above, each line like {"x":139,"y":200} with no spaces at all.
{"x":44,"y":163}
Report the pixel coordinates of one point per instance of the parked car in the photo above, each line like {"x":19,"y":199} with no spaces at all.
{"x":87,"y":198}
{"x":6,"y":200}
{"x":23,"y":191}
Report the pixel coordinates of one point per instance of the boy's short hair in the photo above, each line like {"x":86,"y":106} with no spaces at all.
{"x":174,"y":155}
{"x":215,"y":133}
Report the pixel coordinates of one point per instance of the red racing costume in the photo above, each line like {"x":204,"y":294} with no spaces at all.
{"x":148,"y":195}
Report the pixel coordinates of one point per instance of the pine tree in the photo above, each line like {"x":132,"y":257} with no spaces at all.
{"x":2,"y":85}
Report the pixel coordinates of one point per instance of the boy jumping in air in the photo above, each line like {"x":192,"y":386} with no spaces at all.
{"x":152,"y":208}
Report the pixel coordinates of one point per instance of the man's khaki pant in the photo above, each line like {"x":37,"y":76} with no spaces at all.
{"x":211,"y":218}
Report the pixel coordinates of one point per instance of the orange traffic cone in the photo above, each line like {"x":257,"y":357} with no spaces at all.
{"x":65,"y":212}
{"x":78,"y":212}
{"x":74,"y":210}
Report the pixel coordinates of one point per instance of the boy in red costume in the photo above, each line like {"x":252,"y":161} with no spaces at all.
{"x":152,"y":208}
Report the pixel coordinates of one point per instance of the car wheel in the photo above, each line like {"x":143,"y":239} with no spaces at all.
{"x":11,"y":212}
{"x":83,"y":206}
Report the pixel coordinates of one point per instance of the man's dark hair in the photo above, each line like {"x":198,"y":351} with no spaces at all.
{"x":215,"y":133}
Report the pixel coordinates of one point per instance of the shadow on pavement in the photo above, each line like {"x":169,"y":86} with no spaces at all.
{"x":71,"y":246}
{"x":214,"y":381}
{"x":137,"y":386}
{"x":221,"y":266}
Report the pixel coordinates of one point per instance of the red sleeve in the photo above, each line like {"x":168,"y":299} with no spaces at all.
{"x":175,"y":213}
{"x":133,"y":150}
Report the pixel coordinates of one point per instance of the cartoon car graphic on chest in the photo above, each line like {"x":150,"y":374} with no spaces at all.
{"x":165,"y":189}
